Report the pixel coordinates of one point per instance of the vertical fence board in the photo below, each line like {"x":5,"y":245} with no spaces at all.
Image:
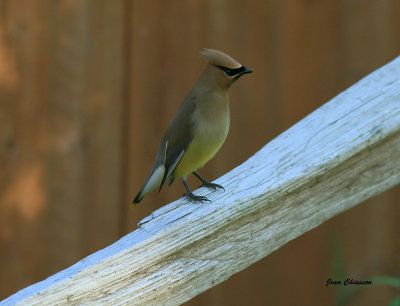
{"x":84,"y":127}
{"x":22,"y":182}
{"x":104,"y":107}
{"x":22,"y":198}
{"x":62,"y":190}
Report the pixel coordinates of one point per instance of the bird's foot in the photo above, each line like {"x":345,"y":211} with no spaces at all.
{"x":195,"y":198}
{"x":212,"y":186}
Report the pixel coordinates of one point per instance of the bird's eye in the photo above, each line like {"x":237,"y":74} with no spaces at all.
{"x":227,"y":71}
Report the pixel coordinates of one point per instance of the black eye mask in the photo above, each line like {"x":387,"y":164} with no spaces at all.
{"x":236,"y":72}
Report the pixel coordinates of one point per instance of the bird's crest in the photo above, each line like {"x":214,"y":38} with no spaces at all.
{"x":219,"y":58}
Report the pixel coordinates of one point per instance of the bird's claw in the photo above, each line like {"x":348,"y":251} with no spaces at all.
{"x":195,"y":198}
{"x":213,"y":186}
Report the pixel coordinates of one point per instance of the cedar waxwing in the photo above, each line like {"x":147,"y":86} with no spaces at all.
{"x":198,"y":129}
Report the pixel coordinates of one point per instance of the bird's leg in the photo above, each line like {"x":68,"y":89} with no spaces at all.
{"x":206,"y":183}
{"x":192,"y":196}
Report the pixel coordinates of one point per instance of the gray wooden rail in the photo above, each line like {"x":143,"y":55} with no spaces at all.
{"x":346,"y":151}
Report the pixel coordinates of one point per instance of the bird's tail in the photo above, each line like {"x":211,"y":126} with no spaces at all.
{"x":152,"y":183}
{"x":138,"y":198}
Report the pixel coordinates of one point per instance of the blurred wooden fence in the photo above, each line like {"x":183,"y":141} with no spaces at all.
{"x":87,"y":88}
{"x":287,"y":188}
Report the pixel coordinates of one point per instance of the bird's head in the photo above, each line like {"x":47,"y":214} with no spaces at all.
{"x":222,"y":68}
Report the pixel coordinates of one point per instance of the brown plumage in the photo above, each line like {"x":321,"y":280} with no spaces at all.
{"x":199,"y":128}
{"x":218,"y":58}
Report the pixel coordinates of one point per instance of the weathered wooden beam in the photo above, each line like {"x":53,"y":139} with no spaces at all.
{"x":346,"y":151}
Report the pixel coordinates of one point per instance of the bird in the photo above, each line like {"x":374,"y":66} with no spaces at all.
{"x":198,"y":129}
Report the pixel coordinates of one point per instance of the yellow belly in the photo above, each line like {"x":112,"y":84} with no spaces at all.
{"x":203,"y":147}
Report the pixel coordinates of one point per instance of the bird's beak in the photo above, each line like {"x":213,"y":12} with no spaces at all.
{"x":244,"y":70}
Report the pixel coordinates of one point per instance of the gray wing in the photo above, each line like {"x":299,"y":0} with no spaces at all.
{"x":178,"y":136}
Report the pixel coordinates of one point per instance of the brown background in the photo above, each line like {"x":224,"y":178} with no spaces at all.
{"x":88,"y":87}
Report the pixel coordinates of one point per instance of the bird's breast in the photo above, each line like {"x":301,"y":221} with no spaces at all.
{"x":211,"y":127}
